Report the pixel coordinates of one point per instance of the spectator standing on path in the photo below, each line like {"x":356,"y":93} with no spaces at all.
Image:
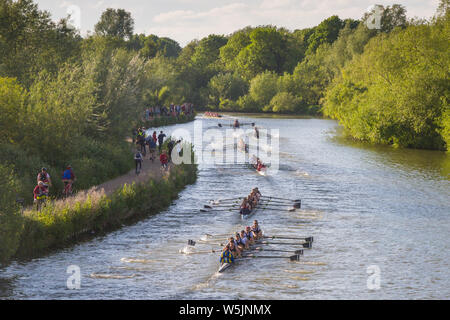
{"x":161,"y":137}
{"x":154,"y":136}
{"x":164,"y":160}
{"x":138,"y":160}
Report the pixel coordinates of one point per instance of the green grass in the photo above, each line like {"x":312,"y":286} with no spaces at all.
{"x":62,"y":222}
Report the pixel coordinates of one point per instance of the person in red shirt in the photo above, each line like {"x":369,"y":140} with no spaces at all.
{"x":164,"y":160}
{"x":40,"y":191}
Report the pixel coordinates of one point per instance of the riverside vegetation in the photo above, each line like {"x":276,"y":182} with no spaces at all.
{"x":67,"y":99}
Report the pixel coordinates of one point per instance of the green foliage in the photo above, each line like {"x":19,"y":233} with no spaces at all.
{"x":326,"y":32}
{"x":62,"y":222}
{"x":396,"y":91}
{"x":263,"y":88}
{"x":283,"y":102}
{"x":31,"y":42}
{"x":12,"y":109}
{"x":11,"y":222}
{"x":226,"y":86}
{"x":115,"y":23}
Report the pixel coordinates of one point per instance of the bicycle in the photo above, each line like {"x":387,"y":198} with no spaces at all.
{"x":41,"y":201}
{"x":67,"y":191}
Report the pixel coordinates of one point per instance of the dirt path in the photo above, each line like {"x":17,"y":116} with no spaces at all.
{"x":149,"y":170}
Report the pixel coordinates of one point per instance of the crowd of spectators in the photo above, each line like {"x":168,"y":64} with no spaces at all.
{"x":171,"y":111}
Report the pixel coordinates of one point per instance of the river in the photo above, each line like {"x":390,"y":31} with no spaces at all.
{"x":378,"y":215}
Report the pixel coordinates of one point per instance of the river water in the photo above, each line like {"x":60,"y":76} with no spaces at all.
{"x":380,"y":218}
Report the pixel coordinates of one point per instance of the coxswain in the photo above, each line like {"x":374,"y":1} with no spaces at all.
{"x":227,"y":255}
{"x":233,"y":247}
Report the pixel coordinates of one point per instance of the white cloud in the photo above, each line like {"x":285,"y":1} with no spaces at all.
{"x":185,"y":20}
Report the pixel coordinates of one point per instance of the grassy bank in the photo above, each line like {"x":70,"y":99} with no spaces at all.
{"x":64,"y":222}
{"x":165,"y":121}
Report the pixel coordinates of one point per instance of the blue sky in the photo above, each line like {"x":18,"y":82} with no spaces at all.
{"x":185,"y":20}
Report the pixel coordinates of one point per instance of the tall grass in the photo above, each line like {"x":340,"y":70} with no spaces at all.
{"x":61,"y":222}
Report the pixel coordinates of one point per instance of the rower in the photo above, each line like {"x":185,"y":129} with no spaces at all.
{"x":256,"y":194}
{"x":240,"y":243}
{"x":244,"y":239}
{"x":249,"y":235}
{"x":227,"y":255}
{"x":245,"y":207}
{"x":252,"y":200}
{"x":257,"y":232}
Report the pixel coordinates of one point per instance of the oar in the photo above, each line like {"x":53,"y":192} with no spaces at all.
{"x":277,"y":250}
{"x":218,"y":200}
{"x":217,"y":235}
{"x":292,"y":258}
{"x":296,"y":205}
{"x":221,"y":206}
{"x":307,"y":245}
{"x":307,"y":239}
{"x":193,"y":243}
{"x":298,"y":200}
{"x":203,"y":252}
{"x":280,"y":201}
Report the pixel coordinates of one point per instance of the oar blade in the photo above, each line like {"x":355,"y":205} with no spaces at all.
{"x":309,"y":239}
{"x":207,"y":207}
{"x":295,"y":258}
{"x":307,"y":245}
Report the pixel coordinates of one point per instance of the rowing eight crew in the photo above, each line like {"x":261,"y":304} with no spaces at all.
{"x":240,"y":243}
{"x":249,"y":203}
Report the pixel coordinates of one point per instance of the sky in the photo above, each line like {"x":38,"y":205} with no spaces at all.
{"x":186,"y":20}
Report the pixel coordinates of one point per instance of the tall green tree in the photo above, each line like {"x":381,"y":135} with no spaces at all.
{"x":115,"y":23}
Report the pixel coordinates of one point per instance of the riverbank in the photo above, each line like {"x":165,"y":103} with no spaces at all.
{"x":165,"y":121}
{"x":102,"y":208}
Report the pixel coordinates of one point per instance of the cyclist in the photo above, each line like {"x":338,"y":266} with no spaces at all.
{"x":68,"y":178}
{"x":44,"y":177}
{"x":40,"y":192}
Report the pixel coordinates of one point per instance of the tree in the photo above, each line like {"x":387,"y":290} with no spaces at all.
{"x":267,"y":51}
{"x":12,"y":109}
{"x":11,"y":221}
{"x":263,"y":88}
{"x":30,"y":42}
{"x":226,"y":86}
{"x":283,"y":102}
{"x":115,"y":23}
{"x":396,"y":92}
{"x":326,"y":32}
